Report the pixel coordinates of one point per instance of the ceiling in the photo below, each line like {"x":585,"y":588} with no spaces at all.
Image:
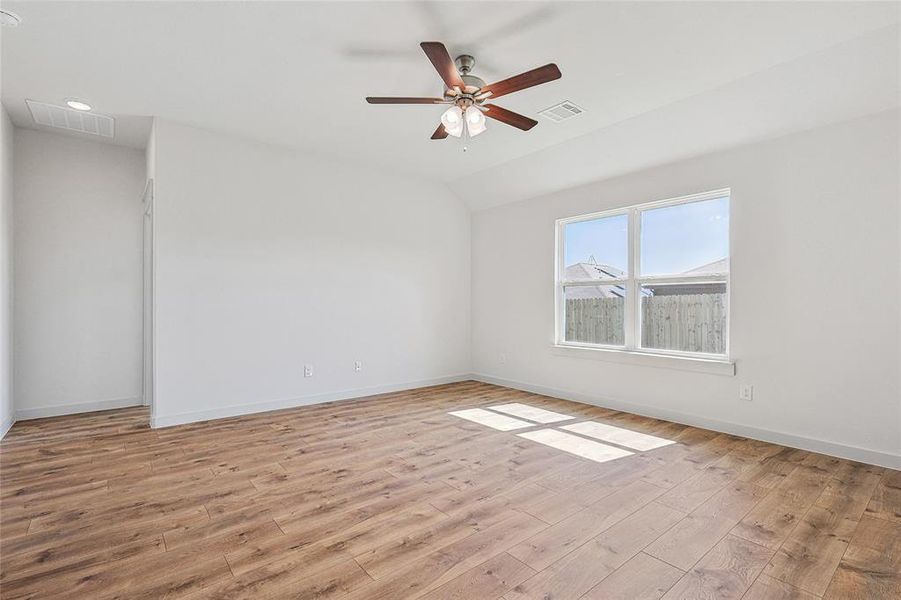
{"x":296,"y":73}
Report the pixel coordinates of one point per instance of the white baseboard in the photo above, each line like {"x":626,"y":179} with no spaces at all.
{"x":5,"y":426}
{"x":864,"y":455}
{"x":71,"y":409}
{"x":158,"y":421}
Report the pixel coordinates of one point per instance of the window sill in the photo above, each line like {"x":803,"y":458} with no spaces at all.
{"x":711,"y":366}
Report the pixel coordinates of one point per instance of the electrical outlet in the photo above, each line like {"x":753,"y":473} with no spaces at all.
{"x":746,"y":393}
{"x":308,"y":370}
{"x":358,"y":365}
{"x":502,"y":358}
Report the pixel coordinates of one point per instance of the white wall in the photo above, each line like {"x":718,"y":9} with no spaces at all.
{"x":78,"y":265}
{"x":815,"y":293}
{"x":7,"y":413}
{"x":269,"y":259}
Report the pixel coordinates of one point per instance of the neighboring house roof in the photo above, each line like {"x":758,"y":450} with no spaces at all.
{"x":596,"y":271}
{"x":717,"y":266}
{"x":593,"y":270}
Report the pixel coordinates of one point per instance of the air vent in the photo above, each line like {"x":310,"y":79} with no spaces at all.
{"x":561,"y":112}
{"x":72,"y":120}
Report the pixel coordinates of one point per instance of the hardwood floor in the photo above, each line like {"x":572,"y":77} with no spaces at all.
{"x":391,"y":497}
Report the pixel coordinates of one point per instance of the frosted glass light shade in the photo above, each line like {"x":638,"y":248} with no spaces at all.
{"x":475,"y":121}
{"x":452,"y":119}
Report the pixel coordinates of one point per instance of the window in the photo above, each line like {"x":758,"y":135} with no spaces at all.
{"x":649,"y":278}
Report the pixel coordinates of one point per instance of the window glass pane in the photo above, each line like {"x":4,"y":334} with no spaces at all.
{"x":596,"y":249}
{"x":689,"y":317}
{"x":594,"y":314}
{"x":688,"y":238}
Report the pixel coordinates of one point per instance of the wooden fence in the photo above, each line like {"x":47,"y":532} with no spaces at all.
{"x":691,"y":322}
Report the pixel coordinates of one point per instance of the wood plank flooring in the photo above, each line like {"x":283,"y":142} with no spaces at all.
{"x":391,"y":497}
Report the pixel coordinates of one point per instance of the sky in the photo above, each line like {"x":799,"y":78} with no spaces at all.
{"x":674,"y":239}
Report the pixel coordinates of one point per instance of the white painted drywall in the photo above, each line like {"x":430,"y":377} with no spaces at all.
{"x":7,"y":411}
{"x":268,"y":259}
{"x":78,"y":274}
{"x":815,"y":292}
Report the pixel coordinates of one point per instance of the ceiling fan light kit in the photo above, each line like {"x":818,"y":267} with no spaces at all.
{"x":468,"y":94}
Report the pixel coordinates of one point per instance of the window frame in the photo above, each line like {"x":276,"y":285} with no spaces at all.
{"x":634,"y":281}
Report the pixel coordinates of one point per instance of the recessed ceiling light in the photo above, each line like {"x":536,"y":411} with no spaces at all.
{"x":78,"y":104}
{"x":9,"y":19}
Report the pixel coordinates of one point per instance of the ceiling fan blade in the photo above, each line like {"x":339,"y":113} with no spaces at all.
{"x":548,"y":72}
{"x":443,"y":63}
{"x":440,"y":133}
{"x":509,"y":117}
{"x":402,"y":100}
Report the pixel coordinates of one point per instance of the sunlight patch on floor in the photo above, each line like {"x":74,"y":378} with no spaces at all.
{"x":490,"y":419}
{"x":575,"y":445}
{"x":531,"y":413}
{"x":619,"y":436}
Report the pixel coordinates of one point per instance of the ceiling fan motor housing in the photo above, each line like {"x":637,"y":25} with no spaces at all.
{"x":472,"y":80}
{"x":464,"y":64}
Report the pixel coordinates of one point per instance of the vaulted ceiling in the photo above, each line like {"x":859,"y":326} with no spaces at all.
{"x":658,"y":81}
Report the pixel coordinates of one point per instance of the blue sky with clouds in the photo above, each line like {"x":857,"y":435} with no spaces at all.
{"x":674,"y":239}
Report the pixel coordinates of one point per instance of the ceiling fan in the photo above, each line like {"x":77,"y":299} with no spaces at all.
{"x":468,"y":94}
